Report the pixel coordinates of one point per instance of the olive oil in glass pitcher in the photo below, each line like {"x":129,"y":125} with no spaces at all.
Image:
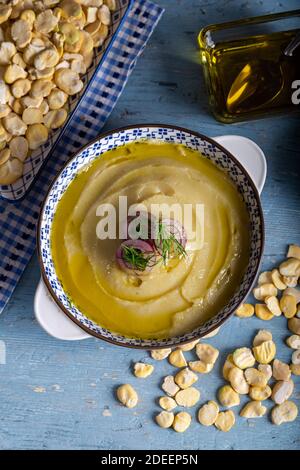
{"x":247,"y":69}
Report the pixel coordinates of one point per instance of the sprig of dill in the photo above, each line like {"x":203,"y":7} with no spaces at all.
{"x":168,"y":244}
{"x":135,"y":257}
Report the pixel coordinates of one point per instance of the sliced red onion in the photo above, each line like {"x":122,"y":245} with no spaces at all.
{"x":140,"y":245}
{"x":173,"y":227}
{"x":150,"y":223}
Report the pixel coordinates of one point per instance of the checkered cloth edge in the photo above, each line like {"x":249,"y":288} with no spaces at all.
{"x":18,"y":220}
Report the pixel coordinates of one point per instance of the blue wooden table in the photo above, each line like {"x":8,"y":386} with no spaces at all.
{"x":57,"y":394}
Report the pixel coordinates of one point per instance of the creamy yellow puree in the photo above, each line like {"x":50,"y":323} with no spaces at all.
{"x":168,"y":301}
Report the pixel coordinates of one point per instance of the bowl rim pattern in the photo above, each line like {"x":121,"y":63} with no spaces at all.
{"x":213,"y":322}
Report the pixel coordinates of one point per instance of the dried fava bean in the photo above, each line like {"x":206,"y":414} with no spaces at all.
{"x":212,"y":333}
{"x":208,"y":413}
{"x":225,"y":420}
{"x":164,"y":419}
{"x":262,"y":291}
{"x":100,"y":36}
{"x":260,"y":394}
{"x":142,"y":370}
{"x":78,"y":65}
{"x":264,"y":278}
{"x":237,"y":380}
{"x":288,"y":306}
{"x":29,"y":16}
{"x":21,"y":33}
{"x":5,"y":12}
{"x":295,"y":368}
{"x":262,"y":312}
{"x":255,"y":377}
{"x":293,"y":341}
{"x":167,"y":403}
{"x":4,"y":110}
{"x":185,"y":378}
{"x":294,"y":251}
{"x":70,"y":32}
{"x":295,"y":355}
{"x":70,"y":9}
{"x":14,"y":124}
{"x":169,"y":386}
{"x":41,"y":88}
{"x":36,"y":135}
{"x":282,"y":391}
{"x":177,"y":359}
{"x":17,"y":107}
{"x":87,"y":44}
{"x":47,"y":58}
{"x":281,"y":371}
{"x":10,"y":171}
{"x":160,"y":354}
{"x":290,"y":281}
{"x":91,"y":14}
{"x":30,"y":102}
{"x":201,"y":367}
{"x":294,"y":292}
{"x":265,"y":352}
{"x":182,"y":421}
{"x":228,"y":365}
{"x":32,"y":49}
{"x":7,"y":51}
{"x":188,"y":397}
{"x":111,"y":4}
{"x":261,"y":337}
{"x":55,"y":118}
{"x":273,"y":305}
{"x":44,"y":107}
{"x":93,"y":3}
{"x":290,"y":267}
{"x":277,"y":280}
{"x":243,"y":358}
{"x":45,"y":22}
{"x":228,"y":397}
{"x":188,"y":346}
{"x":4,"y":155}
{"x":20,"y":87}
{"x":57,"y":99}
{"x":35,"y":74}
{"x":19,"y":148}
{"x":93,"y":28}
{"x":284,"y":413}
{"x":253,"y":409}
{"x":245,"y":311}
{"x":4,"y":93}
{"x":88,"y":59}
{"x":294,"y":325}
{"x":104,"y":15}
{"x":265,"y":369}
{"x":207,"y":353}
{"x":127,"y":395}
{"x":68,"y":81}
{"x":74,"y":47}
{"x":13,"y":72}
{"x":3,"y":134}
{"x":32,"y":116}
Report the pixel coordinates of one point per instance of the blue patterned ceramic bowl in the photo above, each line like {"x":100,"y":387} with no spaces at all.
{"x":211,"y":150}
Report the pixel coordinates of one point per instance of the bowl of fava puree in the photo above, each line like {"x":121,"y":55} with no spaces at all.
{"x":150,"y":236}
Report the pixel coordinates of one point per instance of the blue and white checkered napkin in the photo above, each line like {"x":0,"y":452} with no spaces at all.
{"x":18,"y":220}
